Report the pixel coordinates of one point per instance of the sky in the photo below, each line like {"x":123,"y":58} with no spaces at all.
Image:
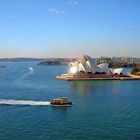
{"x":69,"y":28}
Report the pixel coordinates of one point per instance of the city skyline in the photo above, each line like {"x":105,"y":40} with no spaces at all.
{"x":69,"y":28}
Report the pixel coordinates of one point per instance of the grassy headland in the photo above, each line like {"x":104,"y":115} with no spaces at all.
{"x":136,"y":70}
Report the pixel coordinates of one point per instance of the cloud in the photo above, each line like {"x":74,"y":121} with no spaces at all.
{"x":58,"y":11}
{"x":73,"y":2}
{"x":55,"y":11}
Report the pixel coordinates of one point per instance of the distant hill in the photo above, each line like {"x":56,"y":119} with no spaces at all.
{"x":20,"y":59}
{"x":57,"y":61}
{"x":50,"y":63}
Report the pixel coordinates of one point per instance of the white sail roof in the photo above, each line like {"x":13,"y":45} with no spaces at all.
{"x":118,"y":70}
{"x":102,"y":67}
{"x":90,"y":62}
{"x":87,"y":64}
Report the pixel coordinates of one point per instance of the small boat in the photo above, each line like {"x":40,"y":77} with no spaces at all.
{"x":61,"y":102}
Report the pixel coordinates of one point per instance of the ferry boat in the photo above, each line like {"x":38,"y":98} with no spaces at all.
{"x":63,"y":101}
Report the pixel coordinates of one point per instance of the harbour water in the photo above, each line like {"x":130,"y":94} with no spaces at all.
{"x":102,"y":110}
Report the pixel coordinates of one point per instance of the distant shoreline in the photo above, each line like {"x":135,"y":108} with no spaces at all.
{"x":113,"y":62}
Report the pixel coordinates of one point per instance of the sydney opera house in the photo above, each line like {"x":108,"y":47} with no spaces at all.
{"x":86,"y":68}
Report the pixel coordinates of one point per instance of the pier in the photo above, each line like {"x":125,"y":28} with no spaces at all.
{"x":70,"y":78}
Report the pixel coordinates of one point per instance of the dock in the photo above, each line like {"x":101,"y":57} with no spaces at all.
{"x":70,"y":78}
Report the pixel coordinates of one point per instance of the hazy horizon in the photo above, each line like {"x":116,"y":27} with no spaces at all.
{"x":69,"y":28}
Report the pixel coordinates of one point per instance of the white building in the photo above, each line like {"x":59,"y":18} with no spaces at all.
{"x":87,"y":65}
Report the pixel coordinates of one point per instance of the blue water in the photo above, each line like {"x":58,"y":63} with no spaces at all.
{"x":102,"y":110}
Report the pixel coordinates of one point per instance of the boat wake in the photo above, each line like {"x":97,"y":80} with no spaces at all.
{"x":30,"y":72}
{"x":25,"y":75}
{"x":23,"y":102}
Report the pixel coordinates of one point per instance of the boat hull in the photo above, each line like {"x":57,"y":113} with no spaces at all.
{"x":61,"y":104}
